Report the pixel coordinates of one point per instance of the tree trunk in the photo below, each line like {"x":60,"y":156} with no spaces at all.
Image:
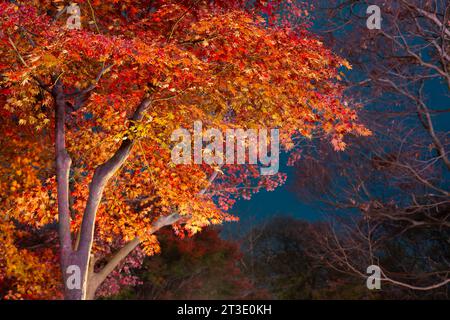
{"x":76,"y":268}
{"x":77,"y":264}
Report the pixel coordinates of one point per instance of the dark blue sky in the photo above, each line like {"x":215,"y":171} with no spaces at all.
{"x":283,"y":201}
{"x":264,"y":205}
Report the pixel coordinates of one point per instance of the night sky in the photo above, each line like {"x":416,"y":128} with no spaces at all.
{"x":283,"y":201}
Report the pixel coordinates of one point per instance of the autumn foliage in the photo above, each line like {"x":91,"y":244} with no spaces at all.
{"x":111,"y":94}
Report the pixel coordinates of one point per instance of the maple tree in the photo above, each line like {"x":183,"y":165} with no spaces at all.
{"x":87,"y":117}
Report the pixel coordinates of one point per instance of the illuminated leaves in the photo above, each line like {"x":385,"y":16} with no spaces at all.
{"x":32,"y":275}
{"x":220,"y":63}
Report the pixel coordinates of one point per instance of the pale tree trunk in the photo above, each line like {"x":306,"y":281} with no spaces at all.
{"x":63,"y":163}
{"x":77,"y":263}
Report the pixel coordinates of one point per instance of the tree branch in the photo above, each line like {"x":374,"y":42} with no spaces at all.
{"x":63,"y":163}
{"x":130,"y":246}
{"x":98,"y":278}
{"x":102,"y":174}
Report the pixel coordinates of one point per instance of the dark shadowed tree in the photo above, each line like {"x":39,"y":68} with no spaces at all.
{"x":390,"y":194}
{"x":201,"y":267}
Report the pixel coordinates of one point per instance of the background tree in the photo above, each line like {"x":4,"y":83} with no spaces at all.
{"x":200,"y":267}
{"x":108,"y":97}
{"x":281,"y":257}
{"x":390,"y":193}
